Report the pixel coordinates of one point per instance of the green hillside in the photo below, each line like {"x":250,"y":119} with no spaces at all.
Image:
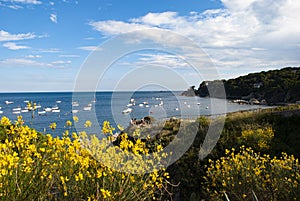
{"x":274,"y":86}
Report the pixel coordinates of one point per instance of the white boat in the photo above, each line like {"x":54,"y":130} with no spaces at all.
{"x":48,"y":109}
{"x":1,"y":112}
{"x":132,"y":100}
{"x":147,"y":106}
{"x":177,"y":109}
{"x":94,"y":101}
{"x":56,"y":110}
{"x":129,"y":105}
{"x":17,"y":109}
{"x":198,"y":103}
{"x":16,"y":112}
{"x":8,"y":102}
{"x":42,"y":112}
{"x":206,"y":107}
{"x":0,"y":108}
{"x":24,"y":110}
{"x":75,"y":111}
{"x":90,"y":105}
{"x":26,"y":101}
{"x":161,"y":103}
{"x":141,"y":105}
{"x":38,"y":106}
{"x":75,"y":104}
{"x":87,"y":108}
{"x":58,"y":101}
{"x":189,"y":106}
{"x":127,"y":111}
{"x":145,"y":103}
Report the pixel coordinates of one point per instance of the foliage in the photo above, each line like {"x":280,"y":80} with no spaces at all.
{"x":34,"y":166}
{"x":283,"y":122}
{"x":240,"y":173}
{"x":275,"y":86}
{"x":259,"y":138}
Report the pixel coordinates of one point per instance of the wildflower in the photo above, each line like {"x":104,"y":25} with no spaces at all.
{"x":5,"y":121}
{"x":68,"y":123}
{"x":88,"y":124}
{"x":105,"y":193}
{"x":52,"y":126}
{"x":107,"y":128}
{"x":75,"y":119}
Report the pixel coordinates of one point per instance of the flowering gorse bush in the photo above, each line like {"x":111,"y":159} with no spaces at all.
{"x":34,"y":166}
{"x":240,"y":173}
{"x":257,"y":138}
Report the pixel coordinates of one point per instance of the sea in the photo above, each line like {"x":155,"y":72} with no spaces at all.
{"x":98,"y":107}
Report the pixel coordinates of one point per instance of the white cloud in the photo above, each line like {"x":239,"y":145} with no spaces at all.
{"x":51,"y":50}
{"x":17,"y":62}
{"x":61,"y":62}
{"x":89,"y":48}
{"x":33,"y":56}
{"x":69,"y":56}
{"x":14,"y":46}
{"x":15,"y":7}
{"x":243,"y":35}
{"x":53,"y":18}
{"x":89,"y":38}
{"x":29,"y":63}
{"x":6,"y":36}
{"x":24,"y":1}
{"x":167,"y":60}
{"x":112,"y":27}
{"x":158,"y":19}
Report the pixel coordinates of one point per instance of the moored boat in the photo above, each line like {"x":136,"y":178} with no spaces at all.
{"x":127,"y":111}
{"x":42,"y":112}
{"x":17,"y":109}
{"x":8,"y":102}
{"x":48,"y":109}
{"x":75,"y":111}
{"x":87,"y":108}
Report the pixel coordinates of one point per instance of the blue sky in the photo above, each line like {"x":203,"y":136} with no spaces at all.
{"x":43,"y":44}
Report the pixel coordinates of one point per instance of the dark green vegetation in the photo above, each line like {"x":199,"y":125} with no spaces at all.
{"x":188,"y":172}
{"x":274,"y":86}
{"x":268,"y":131}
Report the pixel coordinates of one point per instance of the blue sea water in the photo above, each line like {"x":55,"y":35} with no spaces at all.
{"x":109,"y":106}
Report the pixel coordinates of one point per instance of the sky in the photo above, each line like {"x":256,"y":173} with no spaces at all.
{"x":45,"y":45}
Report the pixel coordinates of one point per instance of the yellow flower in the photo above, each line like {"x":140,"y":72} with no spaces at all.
{"x":105,"y":193}
{"x":68,"y":123}
{"x":107,"y":128}
{"x":75,"y":119}
{"x":5,"y":121}
{"x":159,"y":148}
{"x":52,"y":126}
{"x":88,"y":124}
